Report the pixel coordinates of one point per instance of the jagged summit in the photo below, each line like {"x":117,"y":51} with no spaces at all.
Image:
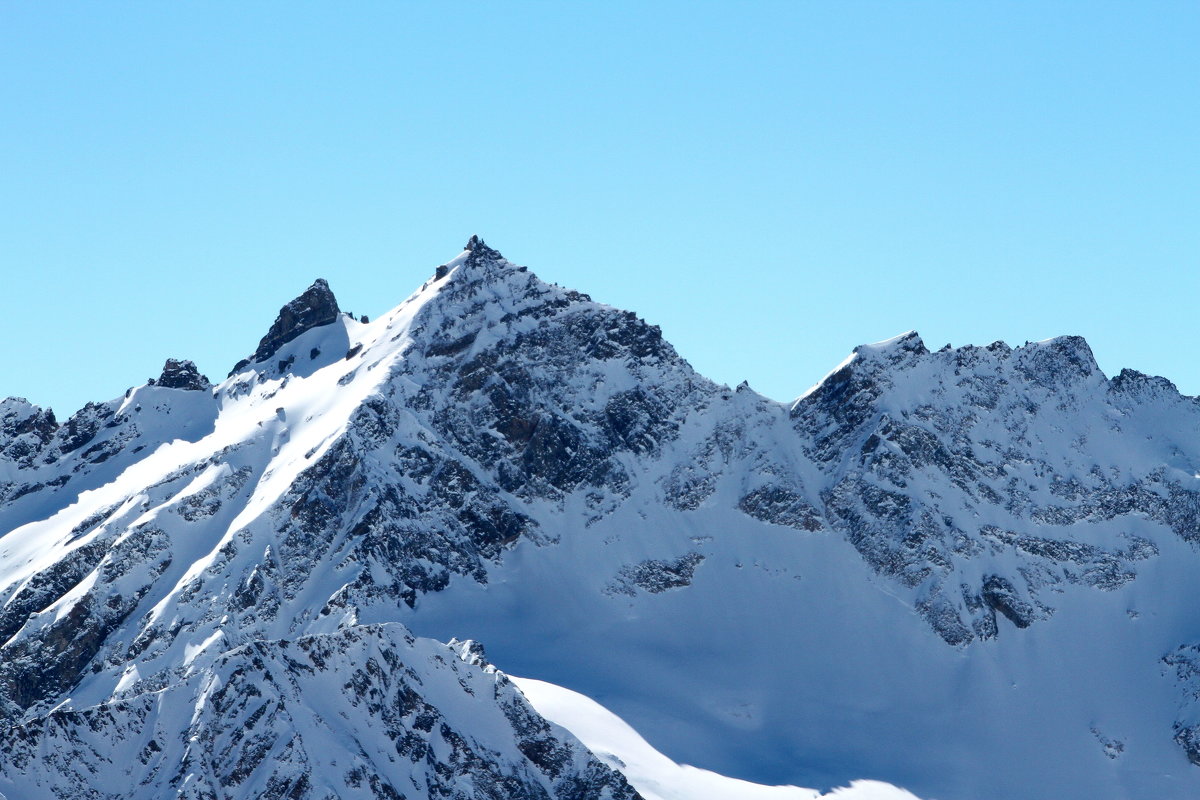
{"x":480,"y":252}
{"x":315,"y":307}
{"x":475,"y":254}
{"x":1054,"y":362}
{"x":909,"y":341}
{"x":24,"y":429}
{"x":182,"y":375}
{"x":1070,"y":353}
{"x":1133,"y":382}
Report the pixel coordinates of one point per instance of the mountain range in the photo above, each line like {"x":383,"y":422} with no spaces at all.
{"x":966,"y":572}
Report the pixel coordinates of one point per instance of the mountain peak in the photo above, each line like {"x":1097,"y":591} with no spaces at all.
{"x":315,"y":307}
{"x":480,"y":252}
{"x":1057,"y":361}
{"x":178,"y":374}
{"x":475,"y":253}
{"x":905,"y":345}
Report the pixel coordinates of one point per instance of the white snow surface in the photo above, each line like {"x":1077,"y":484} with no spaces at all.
{"x":657,"y":777}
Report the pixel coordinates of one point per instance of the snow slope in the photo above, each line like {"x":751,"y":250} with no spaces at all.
{"x":958,"y":571}
{"x":654,"y":775}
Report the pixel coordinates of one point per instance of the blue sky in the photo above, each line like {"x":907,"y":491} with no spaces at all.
{"x":772,"y":183}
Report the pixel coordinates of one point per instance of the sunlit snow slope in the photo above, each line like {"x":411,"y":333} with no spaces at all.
{"x":963,"y":572}
{"x":655,"y":775}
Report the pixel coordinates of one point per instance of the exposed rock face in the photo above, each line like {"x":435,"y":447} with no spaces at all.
{"x":182,"y":375}
{"x":315,"y":307}
{"x":656,"y":576}
{"x":480,"y":252}
{"x":24,"y":430}
{"x":910,"y":478}
{"x":522,"y":423}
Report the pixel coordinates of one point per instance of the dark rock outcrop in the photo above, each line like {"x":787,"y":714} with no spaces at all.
{"x":25,"y":430}
{"x":480,"y":252}
{"x":1000,"y":595}
{"x":780,"y":506}
{"x":182,"y":375}
{"x":316,"y":307}
{"x":656,"y":576}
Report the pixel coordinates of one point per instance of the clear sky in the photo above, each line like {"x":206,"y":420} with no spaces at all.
{"x":772,"y":183}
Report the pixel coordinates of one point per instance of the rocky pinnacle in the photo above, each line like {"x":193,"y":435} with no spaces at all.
{"x":316,"y":307}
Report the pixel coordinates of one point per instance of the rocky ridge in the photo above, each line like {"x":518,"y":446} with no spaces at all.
{"x":365,"y":712}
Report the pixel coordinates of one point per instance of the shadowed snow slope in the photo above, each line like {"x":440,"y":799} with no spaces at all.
{"x":955,"y":571}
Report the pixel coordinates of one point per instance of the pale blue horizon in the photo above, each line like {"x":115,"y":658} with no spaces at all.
{"x":772,"y":183}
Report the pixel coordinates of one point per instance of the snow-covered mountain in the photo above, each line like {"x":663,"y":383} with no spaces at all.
{"x":965,"y":572}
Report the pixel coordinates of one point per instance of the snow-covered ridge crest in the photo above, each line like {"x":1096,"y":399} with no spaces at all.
{"x":1063,"y":358}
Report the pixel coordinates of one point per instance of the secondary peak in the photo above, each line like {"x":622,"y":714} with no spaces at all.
{"x":178,"y":374}
{"x":315,"y":307}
